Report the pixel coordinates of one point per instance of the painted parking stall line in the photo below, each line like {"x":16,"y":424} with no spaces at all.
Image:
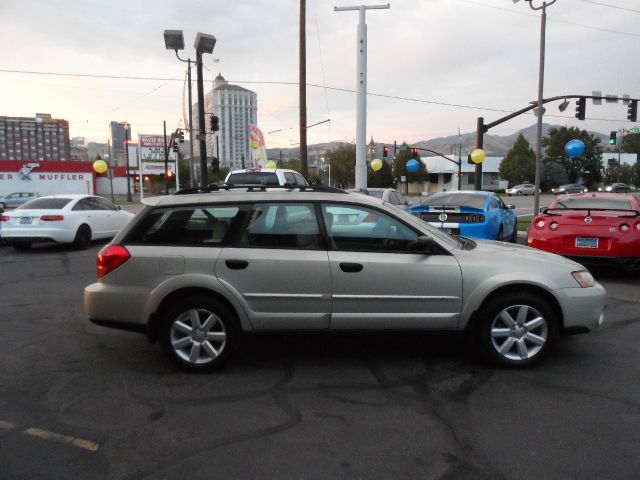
{"x":78,"y":442}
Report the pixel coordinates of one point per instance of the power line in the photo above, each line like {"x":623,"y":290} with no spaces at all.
{"x":266,"y":82}
{"x":550,"y":19}
{"x":611,"y":6}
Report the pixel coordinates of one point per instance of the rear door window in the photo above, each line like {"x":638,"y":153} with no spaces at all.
{"x":282,"y":225}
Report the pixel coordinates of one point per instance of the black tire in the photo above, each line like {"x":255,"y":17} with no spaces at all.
{"x":514,"y":235}
{"x":516,"y":329}
{"x":518,"y":193}
{"x":21,"y":246}
{"x":3,"y":206}
{"x":500,"y":234}
{"x":209,"y":345}
{"x":82,"y":241}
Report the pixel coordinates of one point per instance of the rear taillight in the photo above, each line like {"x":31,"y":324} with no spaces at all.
{"x":51,"y":218}
{"x":110,"y":258}
{"x":4,"y":218}
{"x":553,"y":225}
{"x":539,"y":223}
{"x":624,"y":227}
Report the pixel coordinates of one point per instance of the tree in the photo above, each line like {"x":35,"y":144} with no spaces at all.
{"x":519,"y":165}
{"x":400,"y":166}
{"x":631,"y":143}
{"x":587,"y":167}
{"x":343,"y":165}
{"x":380,"y":179}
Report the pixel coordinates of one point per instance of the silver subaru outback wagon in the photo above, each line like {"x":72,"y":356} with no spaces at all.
{"x":196,"y":271}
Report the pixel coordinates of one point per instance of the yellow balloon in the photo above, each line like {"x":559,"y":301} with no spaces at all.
{"x":100,"y":166}
{"x":270,"y":164}
{"x":478,"y":155}
{"x":376,"y":164}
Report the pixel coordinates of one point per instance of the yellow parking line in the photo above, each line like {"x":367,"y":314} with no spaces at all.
{"x":7,"y":425}
{"x":57,"y":437}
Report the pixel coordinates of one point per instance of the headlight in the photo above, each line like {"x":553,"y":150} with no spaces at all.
{"x":584,"y":278}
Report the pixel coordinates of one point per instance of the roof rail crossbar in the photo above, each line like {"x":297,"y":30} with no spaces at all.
{"x":258,"y":188}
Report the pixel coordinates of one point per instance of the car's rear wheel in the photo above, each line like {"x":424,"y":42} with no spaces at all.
{"x":82,"y":239}
{"x":500,"y":234}
{"x":199,"y":333}
{"x":516,"y":329}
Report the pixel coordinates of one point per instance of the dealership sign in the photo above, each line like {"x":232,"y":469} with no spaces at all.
{"x":152,"y":148}
{"x":46,"y":177}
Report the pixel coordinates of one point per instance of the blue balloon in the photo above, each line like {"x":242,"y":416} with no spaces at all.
{"x":412,"y":166}
{"x":574,"y":148}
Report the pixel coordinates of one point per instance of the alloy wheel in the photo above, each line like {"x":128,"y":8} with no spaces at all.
{"x":198,"y":336}
{"x":519,"y":332}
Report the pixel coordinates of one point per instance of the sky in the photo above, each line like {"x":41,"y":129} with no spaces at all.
{"x":434,"y":66}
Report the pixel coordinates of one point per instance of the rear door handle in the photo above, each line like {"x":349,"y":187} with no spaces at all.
{"x":351,"y":267}
{"x":236,"y":264}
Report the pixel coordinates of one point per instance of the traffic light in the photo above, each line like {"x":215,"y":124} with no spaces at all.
{"x":612,"y":137}
{"x":581,"y":106}
{"x":414,"y":152}
{"x":169,"y":175}
{"x":385,"y":151}
{"x":632,"y":112}
{"x":181,"y":136}
{"x":215,"y":123}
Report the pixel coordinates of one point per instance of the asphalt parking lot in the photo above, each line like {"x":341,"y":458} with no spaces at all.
{"x":80,"y":401}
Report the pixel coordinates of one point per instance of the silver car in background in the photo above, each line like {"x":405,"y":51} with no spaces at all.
{"x":195,"y":271}
{"x":522,"y":189}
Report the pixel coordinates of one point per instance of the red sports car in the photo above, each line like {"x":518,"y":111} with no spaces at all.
{"x":594,"y":227}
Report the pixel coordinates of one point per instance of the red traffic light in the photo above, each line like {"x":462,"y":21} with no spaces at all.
{"x":385,"y":151}
{"x":414,"y":152}
{"x":169,"y":174}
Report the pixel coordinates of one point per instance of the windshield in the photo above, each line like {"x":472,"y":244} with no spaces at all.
{"x":45,"y":204}
{"x":594,"y":202}
{"x":253,"y":178}
{"x":456,"y":199}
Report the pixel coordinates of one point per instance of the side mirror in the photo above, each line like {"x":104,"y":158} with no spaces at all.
{"x":510,"y":206}
{"x":118,"y":207}
{"x":541,"y":209}
{"x":425,"y":244}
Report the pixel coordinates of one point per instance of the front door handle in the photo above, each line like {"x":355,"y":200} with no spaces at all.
{"x":236,"y":264}
{"x":351,"y":267}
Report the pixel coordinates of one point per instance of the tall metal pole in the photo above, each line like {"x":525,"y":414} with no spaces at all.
{"x":201,"y":125}
{"x":479,"y":144}
{"x":304,"y":167}
{"x":166,"y":159}
{"x":126,"y":148}
{"x":536,"y":193}
{"x":361,"y":93}
{"x":192,"y":169}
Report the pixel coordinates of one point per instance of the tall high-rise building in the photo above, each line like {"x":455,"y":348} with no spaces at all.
{"x":236,"y":107}
{"x":120,"y":131}
{"x":39,"y":138}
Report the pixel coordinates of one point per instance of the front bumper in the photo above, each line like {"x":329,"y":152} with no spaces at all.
{"x":582,"y":308}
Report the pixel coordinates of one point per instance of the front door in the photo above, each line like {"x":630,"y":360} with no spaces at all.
{"x":378,"y":282}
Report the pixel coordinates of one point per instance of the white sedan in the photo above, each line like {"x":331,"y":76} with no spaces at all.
{"x":76,"y":219}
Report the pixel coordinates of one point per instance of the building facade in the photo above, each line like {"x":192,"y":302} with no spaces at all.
{"x":236,"y":107}
{"x":120,"y":131}
{"x":36,"y":139}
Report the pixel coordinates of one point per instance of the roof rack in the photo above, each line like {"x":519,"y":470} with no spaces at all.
{"x":258,"y":188}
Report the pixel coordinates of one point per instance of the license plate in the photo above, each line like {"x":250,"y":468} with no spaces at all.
{"x":25,"y":220}
{"x":586,"y":242}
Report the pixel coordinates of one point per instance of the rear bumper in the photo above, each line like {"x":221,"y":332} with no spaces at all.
{"x":17,"y":234}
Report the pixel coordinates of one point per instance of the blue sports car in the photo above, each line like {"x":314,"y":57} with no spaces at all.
{"x":470,"y":214}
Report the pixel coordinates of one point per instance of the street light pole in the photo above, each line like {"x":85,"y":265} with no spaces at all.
{"x":540,"y":108}
{"x":361,"y":101}
{"x":127,"y":129}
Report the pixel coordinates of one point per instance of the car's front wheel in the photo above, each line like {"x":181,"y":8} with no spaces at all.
{"x":199,"y":333}
{"x":519,"y":193}
{"x":516,"y":329}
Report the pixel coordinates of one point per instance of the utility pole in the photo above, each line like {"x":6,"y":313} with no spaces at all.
{"x":166,"y":158}
{"x":361,"y":92}
{"x":480,"y":129}
{"x":304,"y":170}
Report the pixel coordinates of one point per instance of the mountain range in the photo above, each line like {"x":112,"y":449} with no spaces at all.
{"x":494,"y":145}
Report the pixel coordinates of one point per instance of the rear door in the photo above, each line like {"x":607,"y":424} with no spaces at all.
{"x":279,"y":268}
